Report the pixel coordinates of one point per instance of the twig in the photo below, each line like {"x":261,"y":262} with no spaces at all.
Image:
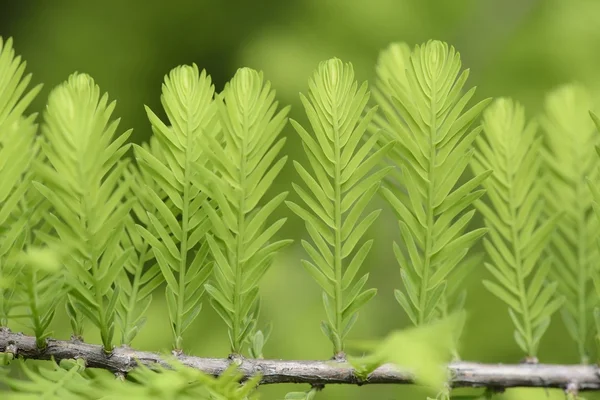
{"x":319,"y":373}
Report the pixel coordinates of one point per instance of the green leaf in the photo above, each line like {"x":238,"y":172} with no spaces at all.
{"x":177,"y":199}
{"x":244,"y":158}
{"x":570,"y":138}
{"x":503,"y":295}
{"x":425,"y":349}
{"x":419,"y":92}
{"x":358,"y":302}
{"x":342,"y":185}
{"x":84,"y":175}
{"x":517,"y":236}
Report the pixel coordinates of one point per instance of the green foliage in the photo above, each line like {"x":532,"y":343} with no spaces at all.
{"x":420,"y":96}
{"x":76,"y":382}
{"x":594,"y":186}
{"x":141,"y":274}
{"x":39,"y":288}
{"x":423,"y":349}
{"x":17,"y":152}
{"x":82,"y":224}
{"x":570,"y":159}
{"x":519,"y":231}
{"x":244,"y":167}
{"x":308,"y":395}
{"x":83,"y":181}
{"x":178,"y":222}
{"x":340,"y":189}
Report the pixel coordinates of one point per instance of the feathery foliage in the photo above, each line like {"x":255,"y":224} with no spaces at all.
{"x":244,"y":167}
{"x":176,"y":227}
{"x":570,"y":159}
{"x":423,"y":106}
{"x":594,"y":187}
{"x":424,"y":349}
{"x":80,"y":224}
{"x":83,"y":181}
{"x":66,"y":381}
{"x":17,"y":152}
{"x":519,"y":231}
{"x":340,"y":189}
{"x":39,"y":289}
{"x":141,"y":273}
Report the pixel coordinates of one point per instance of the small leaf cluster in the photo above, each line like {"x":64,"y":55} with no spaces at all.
{"x":425,"y":117}
{"x":73,"y":381}
{"x":571,"y":161}
{"x":245,"y":166}
{"x":519,"y":230}
{"x":341,"y":186}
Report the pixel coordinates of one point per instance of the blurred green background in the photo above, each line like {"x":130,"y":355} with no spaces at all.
{"x":517,"y":48}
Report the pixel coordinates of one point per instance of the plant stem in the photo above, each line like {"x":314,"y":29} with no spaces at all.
{"x":339,"y":304}
{"x":316,"y":372}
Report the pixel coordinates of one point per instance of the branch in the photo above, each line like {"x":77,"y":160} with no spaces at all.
{"x":464,"y":374}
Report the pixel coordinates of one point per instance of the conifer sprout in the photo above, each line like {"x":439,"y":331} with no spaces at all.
{"x":177,"y":224}
{"x":594,"y":187}
{"x":244,"y":162}
{"x":519,"y":230}
{"x":570,"y":159}
{"x":141,"y":273}
{"x":83,"y":182}
{"x":17,"y":152}
{"x":340,"y":188}
{"x":420,"y":94}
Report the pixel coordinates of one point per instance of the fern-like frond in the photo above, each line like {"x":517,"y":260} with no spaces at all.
{"x":177,"y":223}
{"x":141,"y":275}
{"x":16,"y":157}
{"x":245,"y":163}
{"x":17,"y":152}
{"x":519,"y":232}
{"x":340,"y":187}
{"x":390,"y":74}
{"x":178,"y":382}
{"x":40,"y":288}
{"x":83,"y":181}
{"x":53,"y":383}
{"x":570,"y":159}
{"x":14,"y":95}
{"x":594,"y":187}
{"x":424,"y":108}
{"x":72,"y":381}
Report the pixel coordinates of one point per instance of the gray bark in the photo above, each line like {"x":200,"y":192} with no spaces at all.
{"x":317,"y":373}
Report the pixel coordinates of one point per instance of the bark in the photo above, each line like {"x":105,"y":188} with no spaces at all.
{"x":316,"y":373}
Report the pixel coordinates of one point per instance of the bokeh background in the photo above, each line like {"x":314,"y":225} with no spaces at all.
{"x":517,"y":48}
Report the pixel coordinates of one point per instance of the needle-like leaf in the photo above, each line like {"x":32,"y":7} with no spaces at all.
{"x":176,"y":221}
{"x":245,"y":165}
{"x":570,"y":159}
{"x":339,"y":190}
{"x":17,"y":152}
{"x":517,"y":237}
{"x":83,"y":182}
{"x":420,"y":94}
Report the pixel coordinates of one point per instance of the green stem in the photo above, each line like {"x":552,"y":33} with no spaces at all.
{"x":239,"y":252}
{"x":339,"y":304}
{"x":134,"y":292}
{"x":429,"y":212}
{"x":100,"y":306}
{"x":183,"y":250}
{"x":582,"y":275}
{"x":33,"y":302}
{"x":519,"y":266}
{"x":99,"y":296}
